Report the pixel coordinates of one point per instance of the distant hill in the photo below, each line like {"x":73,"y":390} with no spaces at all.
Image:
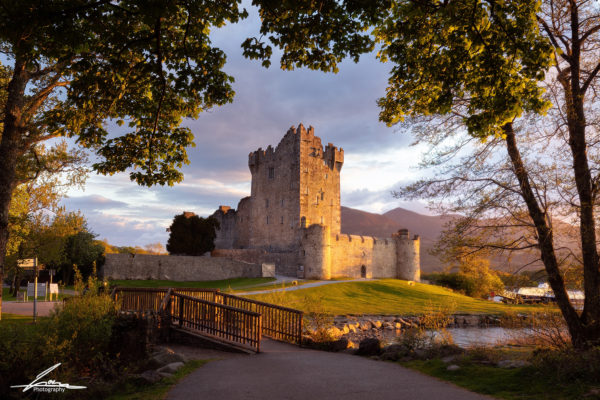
{"x":357,"y":222}
{"x":429,"y":228}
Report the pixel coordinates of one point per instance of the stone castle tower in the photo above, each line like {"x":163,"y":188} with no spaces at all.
{"x":292,"y":217}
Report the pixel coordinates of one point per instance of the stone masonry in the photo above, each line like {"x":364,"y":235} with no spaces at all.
{"x":292,"y":218}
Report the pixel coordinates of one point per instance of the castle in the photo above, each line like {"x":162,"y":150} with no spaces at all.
{"x":292,"y":218}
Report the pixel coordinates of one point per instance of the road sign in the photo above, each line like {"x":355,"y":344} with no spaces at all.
{"x":27,"y":263}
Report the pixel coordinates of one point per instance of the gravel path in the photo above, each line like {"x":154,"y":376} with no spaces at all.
{"x":284,"y":371}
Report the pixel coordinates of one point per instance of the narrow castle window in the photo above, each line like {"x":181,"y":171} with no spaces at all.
{"x":322,"y":195}
{"x":281,"y":202}
{"x":282,"y":220}
{"x":267,"y":203}
{"x":321,"y":220}
{"x":271,"y":172}
{"x":306,"y":190}
{"x":326,"y":176}
{"x":317,"y":200}
{"x":267,"y":220}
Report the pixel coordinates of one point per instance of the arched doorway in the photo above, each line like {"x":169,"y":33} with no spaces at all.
{"x":363,"y":271}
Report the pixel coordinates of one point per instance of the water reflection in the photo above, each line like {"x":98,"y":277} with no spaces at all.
{"x":466,"y":337}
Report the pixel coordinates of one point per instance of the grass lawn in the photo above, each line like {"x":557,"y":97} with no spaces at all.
{"x":524,"y":383}
{"x":15,"y":318}
{"x":158,"y":390}
{"x":387,"y":297}
{"x":223,"y":285}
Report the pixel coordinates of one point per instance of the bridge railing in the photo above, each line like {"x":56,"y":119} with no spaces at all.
{"x":230,"y":324}
{"x":139,"y":299}
{"x":279,"y":323}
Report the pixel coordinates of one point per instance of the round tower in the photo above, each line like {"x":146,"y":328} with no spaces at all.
{"x":317,"y":252}
{"x":408,"y":259}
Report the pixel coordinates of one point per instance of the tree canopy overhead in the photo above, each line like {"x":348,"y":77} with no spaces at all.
{"x":509,"y":81}
{"x":72,"y":67}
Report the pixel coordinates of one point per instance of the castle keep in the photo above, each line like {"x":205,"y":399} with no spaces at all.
{"x":292,"y":218}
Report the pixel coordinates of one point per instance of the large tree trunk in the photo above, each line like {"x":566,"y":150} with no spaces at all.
{"x":9,"y":153}
{"x":580,"y":336}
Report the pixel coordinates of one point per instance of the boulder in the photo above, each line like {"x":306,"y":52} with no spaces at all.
{"x":345,"y":329}
{"x":369,"y":347}
{"x":452,"y":367}
{"x":376,"y":324}
{"x":150,"y":376}
{"x":170,"y":368}
{"x":340,"y":344}
{"x":166,"y":357}
{"x":365,"y":326}
{"x":334,"y":332}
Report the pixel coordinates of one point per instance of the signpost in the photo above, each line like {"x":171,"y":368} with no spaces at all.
{"x":31,"y":264}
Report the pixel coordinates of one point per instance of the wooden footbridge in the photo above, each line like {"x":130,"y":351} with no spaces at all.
{"x":208,"y":313}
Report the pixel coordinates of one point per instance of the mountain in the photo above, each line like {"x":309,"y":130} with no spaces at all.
{"x":357,"y":222}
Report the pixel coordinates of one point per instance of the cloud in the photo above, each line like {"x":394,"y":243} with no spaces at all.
{"x":342,"y":108}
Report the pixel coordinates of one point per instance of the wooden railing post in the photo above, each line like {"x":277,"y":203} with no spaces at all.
{"x":181,"y":303}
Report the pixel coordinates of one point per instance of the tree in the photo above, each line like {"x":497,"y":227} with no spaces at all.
{"x":519,"y":77}
{"x":76,"y":67}
{"x":192,"y":235}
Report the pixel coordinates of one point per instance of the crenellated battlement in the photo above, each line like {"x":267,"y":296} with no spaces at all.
{"x":294,"y":209}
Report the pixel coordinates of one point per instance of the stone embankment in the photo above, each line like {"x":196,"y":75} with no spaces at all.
{"x":350,"y":331}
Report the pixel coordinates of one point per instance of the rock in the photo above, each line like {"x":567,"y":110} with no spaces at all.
{"x":165,"y":375}
{"x":334,"y":332}
{"x":512,"y":364}
{"x":170,"y":368}
{"x":345,"y":329}
{"x":420,"y":353}
{"x":352,"y":345}
{"x":340,"y":344}
{"x":150,"y":376}
{"x":167,"y":357}
{"x":453,"y":367}
{"x":352,"y":328}
{"x":376,"y":324}
{"x":390,"y":327}
{"x":369,"y":347}
{"x":398,"y":325}
{"x":365,"y":326}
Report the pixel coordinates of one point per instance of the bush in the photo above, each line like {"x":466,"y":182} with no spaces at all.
{"x":85,"y":335}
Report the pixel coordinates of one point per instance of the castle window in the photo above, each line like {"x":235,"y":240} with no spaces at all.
{"x":306,"y":191}
{"x":266,"y":203}
{"x":271,"y":173}
{"x":322,"y":195}
{"x":326,"y":176}
{"x":281,"y":202}
{"x":282,"y":220}
{"x":267,"y":220}
{"x":303,"y":222}
{"x":321,"y":220}
{"x":317,"y":199}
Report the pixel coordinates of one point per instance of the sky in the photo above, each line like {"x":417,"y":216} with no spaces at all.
{"x":341,"y":107}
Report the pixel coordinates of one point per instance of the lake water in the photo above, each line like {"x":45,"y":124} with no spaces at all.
{"x":473,"y":336}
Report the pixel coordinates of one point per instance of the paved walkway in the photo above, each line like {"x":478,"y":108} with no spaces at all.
{"x":43,"y":307}
{"x":283,"y":371}
{"x":291,"y":288}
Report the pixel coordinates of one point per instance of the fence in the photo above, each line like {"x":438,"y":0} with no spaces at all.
{"x":279,"y":323}
{"x":227,"y":323}
{"x":224,"y":316}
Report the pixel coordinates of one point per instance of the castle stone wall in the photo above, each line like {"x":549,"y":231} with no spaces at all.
{"x":292,"y":218}
{"x":177,"y":268}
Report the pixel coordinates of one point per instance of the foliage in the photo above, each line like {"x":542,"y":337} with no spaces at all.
{"x":493,"y":88}
{"x":192,"y":235}
{"x":475,"y":278}
{"x":77,"y":335}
